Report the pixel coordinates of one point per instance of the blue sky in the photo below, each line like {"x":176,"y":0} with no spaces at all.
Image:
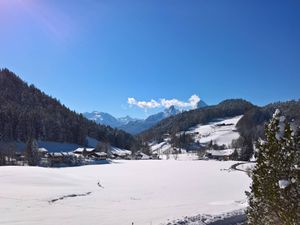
{"x":95,"y":54}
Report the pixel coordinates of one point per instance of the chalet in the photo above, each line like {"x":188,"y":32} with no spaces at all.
{"x":100,"y":155}
{"x":19,"y":157}
{"x":154,"y":156}
{"x":85,"y":152}
{"x":120,"y":153}
{"x":42,"y":152}
{"x":62,"y":159}
{"x":141,"y":156}
{"x":55,"y":158}
{"x":90,"y":153}
{"x":226,"y":154}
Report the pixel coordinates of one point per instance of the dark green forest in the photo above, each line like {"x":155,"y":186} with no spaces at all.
{"x":26,"y":112}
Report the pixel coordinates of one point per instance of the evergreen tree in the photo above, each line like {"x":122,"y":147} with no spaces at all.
{"x":31,"y":152}
{"x":275,"y":192}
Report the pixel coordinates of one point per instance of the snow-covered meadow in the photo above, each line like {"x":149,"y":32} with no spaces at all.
{"x":219,"y":134}
{"x":143,"y":192}
{"x":222,"y":132}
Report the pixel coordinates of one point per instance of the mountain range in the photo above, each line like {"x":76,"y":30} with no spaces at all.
{"x":133,"y":125}
{"x":107,"y":119}
{"x":129,"y":124}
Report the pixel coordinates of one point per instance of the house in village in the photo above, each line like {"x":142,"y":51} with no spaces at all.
{"x":100,"y":155}
{"x":227,"y":154}
{"x":90,"y":153}
{"x":118,"y":153}
{"x":154,"y":156}
{"x":42,"y":152}
{"x":43,"y":156}
{"x":141,"y":156}
{"x":62,"y":159}
{"x":85,"y":152}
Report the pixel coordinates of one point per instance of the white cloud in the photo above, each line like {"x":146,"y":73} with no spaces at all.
{"x":194,"y":100}
{"x":191,"y":103}
{"x":143,"y":104}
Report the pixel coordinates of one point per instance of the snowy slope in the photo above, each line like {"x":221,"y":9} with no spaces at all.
{"x":160,"y":148}
{"x":220,"y":132}
{"x":143,"y":192}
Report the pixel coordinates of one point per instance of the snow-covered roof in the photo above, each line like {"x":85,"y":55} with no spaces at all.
{"x":144,"y":156}
{"x":100,"y":154}
{"x":60,"y":154}
{"x":56,"y":154}
{"x":120,"y":152}
{"x":80,"y":150}
{"x":67,"y":153}
{"x":42,"y":150}
{"x":160,"y":148}
{"x":226,"y":152}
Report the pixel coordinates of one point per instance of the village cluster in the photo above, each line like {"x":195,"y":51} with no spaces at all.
{"x":84,"y":156}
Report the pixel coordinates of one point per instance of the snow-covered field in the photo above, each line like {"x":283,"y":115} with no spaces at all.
{"x":143,"y":192}
{"x":218,"y":134}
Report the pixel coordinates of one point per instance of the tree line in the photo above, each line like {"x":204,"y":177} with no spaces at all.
{"x":28,"y":113}
{"x":250,"y":127}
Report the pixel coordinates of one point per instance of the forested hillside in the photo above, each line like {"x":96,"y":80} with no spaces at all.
{"x":250,"y":126}
{"x":252,"y":123}
{"x":26,"y":112}
{"x":186,"y":120}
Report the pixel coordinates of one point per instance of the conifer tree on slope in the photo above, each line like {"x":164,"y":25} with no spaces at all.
{"x":31,"y":152}
{"x":275,"y":195}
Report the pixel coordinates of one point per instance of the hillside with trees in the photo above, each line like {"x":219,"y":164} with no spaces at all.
{"x":250,"y":126}
{"x":252,"y":123}
{"x":188,"y":119}
{"x":26,"y":113}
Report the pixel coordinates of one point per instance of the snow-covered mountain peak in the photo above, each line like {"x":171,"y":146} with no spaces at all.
{"x":201,"y":104}
{"x":127,"y":119}
{"x":171,"y":111}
